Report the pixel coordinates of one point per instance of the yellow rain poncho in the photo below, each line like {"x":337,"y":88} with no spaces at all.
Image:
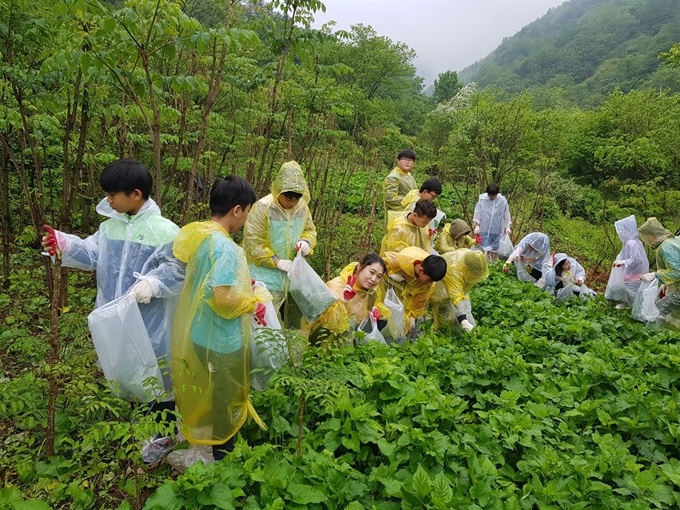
{"x":341,"y":317}
{"x":396,"y":186}
{"x":272,"y":230}
{"x":402,"y":234}
{"x":413,"y":293}
{"x":450,"y":300}
{"x":210,"y":336}
{"x":454,"y":236}
{"x":667,"y":251}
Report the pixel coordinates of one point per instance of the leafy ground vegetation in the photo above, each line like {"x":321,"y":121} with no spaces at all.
{"x":546,"y":405}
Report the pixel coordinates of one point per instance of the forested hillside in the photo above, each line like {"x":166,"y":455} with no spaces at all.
{"x":587,"y":47}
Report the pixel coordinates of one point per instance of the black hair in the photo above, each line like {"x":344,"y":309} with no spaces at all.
{"x":126,"y":175}
{"x":408,"y":154}
{"x":559,"y":267}
{"x":493,"y":189}
{"x":369,"y":260}
{"x":291,"y":195}
{"x":432,"y":184}
{"x":434,"y":266}
{"x":228,"y":192}
{"x":425,"y":207}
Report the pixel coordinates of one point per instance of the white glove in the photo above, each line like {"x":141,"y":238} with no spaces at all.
{"x":467,"y":325}
{"x":142,"y":291}
{"x":284,"y":265}
{"x":648,"y":277}
{"x":397,"y":277}
{"x":303,"y":247}
{"x":476,"y":230}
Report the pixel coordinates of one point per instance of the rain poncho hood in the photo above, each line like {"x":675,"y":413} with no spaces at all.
{"x":272,"y":230}
{"x":211,"y":335}
{"x":453,"y":237}
{"x":633,"y":255}
{"x":402,"y":234}
{"x":576,"y":272}
{"x":653,"y":232}
{"x":533,"y":250}
{"x":396,"y":186}
{"x":413,"y":293}
{"x":125,"y":250}
{"x":493,"y":217}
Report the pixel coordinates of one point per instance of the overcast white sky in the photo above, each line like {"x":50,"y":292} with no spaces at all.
{"x":446,"y":34}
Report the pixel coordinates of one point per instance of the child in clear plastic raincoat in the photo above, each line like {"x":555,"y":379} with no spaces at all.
{"x":413,"y":273}
{"x":453,"y":236}
{"x":357,"y":291}
{"x":532,"y":254}
{"x":211,"y":331}
{"x":565,"y":277}
{"x":632,"y":258}
{"x":667,"y":270}
{"x":278,"y":226}
{"x":492,"y":219}
{"x":399,"y":182}
{"x":411,"y":229}
{"x":451,"y":300}
{"x":131,"y":252}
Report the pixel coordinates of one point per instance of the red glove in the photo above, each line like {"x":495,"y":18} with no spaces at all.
{"x":49,"y":241}
{"x":478,"y":239}
{"x":375,"y":313}
{"x":432,"y":232}
{"x":349,"y":291}
{"x":260,"y":310}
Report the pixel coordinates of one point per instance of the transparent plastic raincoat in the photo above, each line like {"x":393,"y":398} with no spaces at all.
{"x":272,"y":230}
{"x":411,"y":291}
{"x":453,"y":237}
{"x":568,"y":279}
{"x":493,"y":217}
{"x":450,"y":300}
{"x":633,"y":256}
{"x":127,"y":249}
{"x":345,"y":317}
{"x":667,"y":269}
{"x":402,"y":234}
{"x":533,"y":251}
{"x":211,"y":335}
{"x":396,"y":186}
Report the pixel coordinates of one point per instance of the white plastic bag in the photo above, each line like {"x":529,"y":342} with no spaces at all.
{"x":616,"y":286}
{"x":370,"y":327}
{"x":395,"y":329}
{"x":267,"y":347}
{"x":505,"y":247}
{"x":644,"y":306}
{"x":309,"y":291}
{"x":124,"y":349}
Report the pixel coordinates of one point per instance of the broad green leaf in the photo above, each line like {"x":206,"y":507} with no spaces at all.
{"x":305,"y":494}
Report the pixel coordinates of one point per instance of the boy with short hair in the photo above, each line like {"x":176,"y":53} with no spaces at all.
{"x":429,"y":190}
{"x":399,"y":181}
{"x":131,"y":252}
{"x":411,"y":229}
{"x":211,"y":331}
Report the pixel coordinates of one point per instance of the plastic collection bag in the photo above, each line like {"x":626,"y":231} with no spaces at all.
{"x":370,"y":327}
{"x":267,"y":347}
{"x":309,"y":291}
{"x":124,"y":349}
{"x":644,"y":306}
{"x":395,"y":329}
{"x":616,"y":286}
{"x":505,"y":247}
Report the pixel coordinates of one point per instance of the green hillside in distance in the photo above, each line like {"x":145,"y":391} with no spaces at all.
{"x":588,"y":48}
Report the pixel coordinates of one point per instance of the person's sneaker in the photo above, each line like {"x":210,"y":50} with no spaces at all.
{"x":153,"y":451}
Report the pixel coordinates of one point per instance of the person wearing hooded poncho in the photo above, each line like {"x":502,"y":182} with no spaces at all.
{"x":565,"y":277}
{"x":492,"y":219}
{"x":410,"y":229}
{"x":399,"y":182}
{"x":451,"y":301}
{"x":454,"y":235}
{"x":211,"y":330}
{"x":429,"y":190}
{"x":278,"y":226}
{"x":667,"y":248}
{"x":532,"y":255}
{"x":632,"y":258}
{"x":357,"y":291}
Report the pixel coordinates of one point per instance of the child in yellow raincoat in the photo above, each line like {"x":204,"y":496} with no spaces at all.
{"x":412,"y":273}
{"x":411,"y":229}
{"x":211,"y":331}
{"x":453,"y":236}
{"x":450,"y":300}
{"x":430,"y":189}
{"x":356,"y":289}
{"x":278,"y":226}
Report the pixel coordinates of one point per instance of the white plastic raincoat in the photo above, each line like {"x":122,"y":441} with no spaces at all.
{"x":211,"y":335}
{"x":272,"y":230}
{"x":633,"y":256}
{"x":493,"y":217}
{"x":127,"y":249}
{"x":568,"y":279}
{"x":533,"y":251}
